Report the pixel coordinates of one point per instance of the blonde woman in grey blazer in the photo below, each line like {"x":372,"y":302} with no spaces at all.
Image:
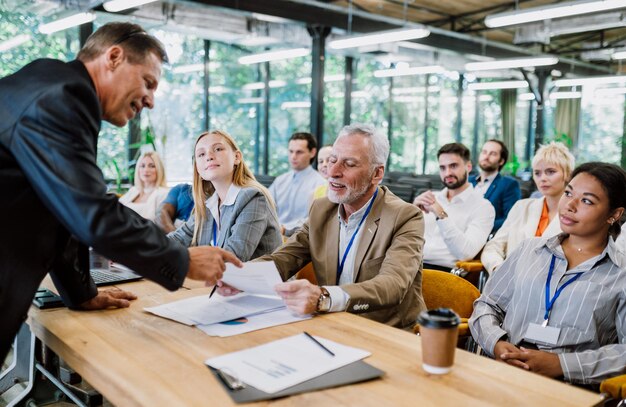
{"x":231,"y":209}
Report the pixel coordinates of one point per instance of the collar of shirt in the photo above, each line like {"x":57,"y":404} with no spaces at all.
{"x":553,"y":244}
{"x":231,"y":196}
{"x":486,"y":180}
{"x":299,"y":174}
{"x":442,"y":196}
{"x":355,"y":218}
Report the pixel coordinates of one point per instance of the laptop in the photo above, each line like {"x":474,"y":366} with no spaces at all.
{"x":115,"y":274}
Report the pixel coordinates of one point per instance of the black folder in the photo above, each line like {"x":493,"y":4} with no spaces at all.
{"x":358,"y":371}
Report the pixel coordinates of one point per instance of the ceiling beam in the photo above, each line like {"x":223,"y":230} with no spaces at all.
{"x":313,"y":12}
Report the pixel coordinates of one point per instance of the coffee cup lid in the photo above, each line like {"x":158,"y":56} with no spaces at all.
{"x":438,"y":318}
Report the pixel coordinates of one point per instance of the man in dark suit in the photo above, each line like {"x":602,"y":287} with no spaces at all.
{"x":502,"y":191}
{"x":54,"y":201}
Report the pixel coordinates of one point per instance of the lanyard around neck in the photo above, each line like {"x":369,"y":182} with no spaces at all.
{"x":214,"y":240}
{"x":550,"y":302}
{"x":345,"y":253}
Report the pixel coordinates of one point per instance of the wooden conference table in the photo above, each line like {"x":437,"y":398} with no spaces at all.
{"x":137,"y":359}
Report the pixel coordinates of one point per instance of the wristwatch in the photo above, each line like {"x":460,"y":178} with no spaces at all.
{"x":324,"y":301}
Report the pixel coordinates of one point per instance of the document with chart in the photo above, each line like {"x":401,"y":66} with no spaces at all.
{"x":280,"y":364}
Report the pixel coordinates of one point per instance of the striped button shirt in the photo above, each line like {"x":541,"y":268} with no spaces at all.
{"x":590,"y":312}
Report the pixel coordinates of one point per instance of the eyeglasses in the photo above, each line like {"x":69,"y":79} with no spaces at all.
{"x":129,"y":35}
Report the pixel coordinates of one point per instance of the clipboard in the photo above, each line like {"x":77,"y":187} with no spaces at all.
{"x":353,"y":373}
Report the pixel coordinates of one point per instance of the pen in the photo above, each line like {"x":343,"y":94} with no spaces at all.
{"x":213,"y":290}
{"x":318,"y":342}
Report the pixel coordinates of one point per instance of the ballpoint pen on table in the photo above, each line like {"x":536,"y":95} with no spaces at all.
{"x":319,"y":344}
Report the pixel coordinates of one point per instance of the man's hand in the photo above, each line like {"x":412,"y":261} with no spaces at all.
{"x":425,"y":200}
{"x":300,"y":296}
{"x":112,"y":298}
{"x":544,"y":363}
{"x":207,"y":263}
{"x":226,"y":290}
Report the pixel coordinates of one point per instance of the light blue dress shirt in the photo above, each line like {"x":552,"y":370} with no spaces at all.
{"x":292,"y":193}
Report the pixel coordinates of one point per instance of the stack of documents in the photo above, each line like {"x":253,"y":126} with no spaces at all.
{"x":284,"y":363}
{"x":256,"y":308}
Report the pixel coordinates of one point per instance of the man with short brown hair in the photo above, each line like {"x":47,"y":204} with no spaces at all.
{"x":54,"y":195}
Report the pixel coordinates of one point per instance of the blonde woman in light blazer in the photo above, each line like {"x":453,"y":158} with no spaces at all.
{"x":552,"y":167}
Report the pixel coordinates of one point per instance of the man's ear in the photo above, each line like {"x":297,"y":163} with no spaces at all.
{"x":469,"y":166}
{"x":114,"y":57}
{"x":379,"y":174}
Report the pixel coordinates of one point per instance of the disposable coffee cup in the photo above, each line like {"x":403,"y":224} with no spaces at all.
{"x":97,"y":261}
{"x":439,"y":332}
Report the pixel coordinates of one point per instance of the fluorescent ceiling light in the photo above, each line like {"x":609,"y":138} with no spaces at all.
{"x":566,"y":95}
{"x":261,"y":85}
{"x":327,"y":78}
{"x":249,"y":101}
{"x":295,"y":105}
{"x":497,"y":85}
{"x":619,"y":55}
{"x":360,"y":94}
{"x":511,"y":63}
{"x":379,"y":37}
{"x":218,"y":89}
{"x":413,"y":90}
{"x":566,"y":9}
{"x":119,"y":5}
{"x":257,"y":41}
{"x":180,"y":69}
{"x":274,"y":56}
{"x":417,"y":70}
{"x":67,"y":22}
{"x":14,"y":42}
{"x":589,"y":81}
{"x":526,"y":96}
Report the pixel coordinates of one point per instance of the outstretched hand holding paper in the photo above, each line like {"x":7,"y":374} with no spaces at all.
{"x":253,"y":278}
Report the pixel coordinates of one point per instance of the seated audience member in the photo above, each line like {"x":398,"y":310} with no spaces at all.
{"x":232,"y":210}
{"x":322,"y":167}
{"x":376,"y":268}
{"x":150,"y":186}
{"x":176,"y":208}
{"x":293,"y":190}
{"x":458,"y":218}
{"x":502,"y":191}
{"x":552,"y":166}
{"x":557,"y":306}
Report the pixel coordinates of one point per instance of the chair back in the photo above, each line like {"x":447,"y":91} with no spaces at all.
{"x":442,"y":289}
{"x":307,"y":273}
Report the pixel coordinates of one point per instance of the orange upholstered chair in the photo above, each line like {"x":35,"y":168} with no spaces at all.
{"x":445,"y":290}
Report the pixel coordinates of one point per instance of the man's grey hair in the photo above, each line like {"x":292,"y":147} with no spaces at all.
{"x":379,"y":148}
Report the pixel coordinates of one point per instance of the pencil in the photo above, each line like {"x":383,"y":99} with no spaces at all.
{"x":319,"y":344}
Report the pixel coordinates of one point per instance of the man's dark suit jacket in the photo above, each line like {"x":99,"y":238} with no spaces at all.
{"x":53,"y":195}
{"x":503,"y":192}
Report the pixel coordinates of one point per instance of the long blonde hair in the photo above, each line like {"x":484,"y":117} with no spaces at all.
{"x":203,"y":189}
{"x":160,"y":170}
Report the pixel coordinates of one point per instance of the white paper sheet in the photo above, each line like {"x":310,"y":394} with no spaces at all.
{"x":286,"y":362}
{"x":204,"y":310}
{"x":253,"y":278}
{"x":253,"y":323}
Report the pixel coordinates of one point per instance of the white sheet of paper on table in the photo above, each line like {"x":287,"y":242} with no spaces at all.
{"x":253,"y":278}
{"x":254,"y":323}
{"x":202,"y":310}
{"x":283,"y":363}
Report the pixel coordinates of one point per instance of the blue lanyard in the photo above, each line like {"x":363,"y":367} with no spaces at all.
{"x":550,"y":302}
{"x":214,"y":232}
{"x":341,"y":263}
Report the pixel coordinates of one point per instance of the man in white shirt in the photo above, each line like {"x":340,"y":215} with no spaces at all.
{"x":458,"y":218}
{"x":293,"y":190}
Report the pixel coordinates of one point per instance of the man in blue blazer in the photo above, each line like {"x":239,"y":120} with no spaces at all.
{"x":502,"y":191}
{"x":54,"y":197}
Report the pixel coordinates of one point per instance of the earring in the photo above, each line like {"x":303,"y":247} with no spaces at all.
{"x":611,"y":221}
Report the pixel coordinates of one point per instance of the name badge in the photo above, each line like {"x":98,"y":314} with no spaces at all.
{"x":547,"y":335}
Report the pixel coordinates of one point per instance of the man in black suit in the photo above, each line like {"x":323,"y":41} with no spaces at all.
{"x":54,"y":202}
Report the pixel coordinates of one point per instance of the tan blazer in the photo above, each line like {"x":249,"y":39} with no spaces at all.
{"x":388,"y":283}
{"x":520,"y":224}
